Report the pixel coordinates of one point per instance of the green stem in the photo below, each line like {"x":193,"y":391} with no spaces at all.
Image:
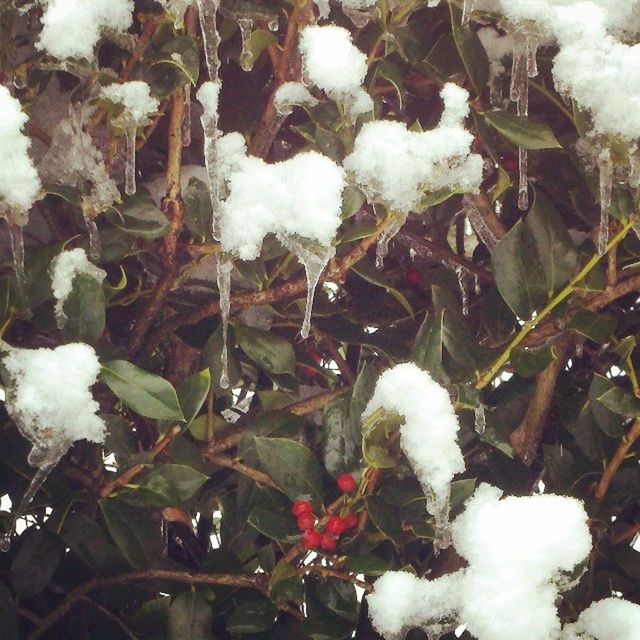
{"x":530,"y":324}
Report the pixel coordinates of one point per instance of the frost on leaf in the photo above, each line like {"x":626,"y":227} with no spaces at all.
{"x":72,"y":28}
{"x":64,"y":268}
{"x":430,"y":425}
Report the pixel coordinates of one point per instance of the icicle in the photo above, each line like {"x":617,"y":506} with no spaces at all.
{"x":476,"y":284}
{"x":46,"y":461}
{"x":246,"y":55}
{"x":519,"y":68}
{"x":480,"y":419}
{"x":523,"y":179}
{"x":487,"y":237}
{"x":273,"y":24}
{"x":208,"y":96}
{"x":186,"y":118}
{"x":438,"y":505}
{"x":382,"y":248}
{"x":314,"y":263}
{"x":605,"y":166}
{"x":224,"y":288}
{"x":467,"y":9}
{"x":210,"y":36}
{"x":95,"y":249}
{"x":130,"y":162}
{"x":17,"y":249}
{"x":464,"y":289}
{"x":532,"y":58}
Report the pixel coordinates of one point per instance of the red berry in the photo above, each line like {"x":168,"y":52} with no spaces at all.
{"x":301,"y":506}
{"x":328,"y":542}
{"x":306,"y":521}
{"x":347,"y":483}
{"x":311,"y":539}
{"x":351,"y":520}
{"x":336,"y":525}
{"x":412,"y":277}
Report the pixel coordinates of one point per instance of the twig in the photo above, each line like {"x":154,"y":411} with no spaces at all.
{"x":242,"y":581}
{"x":242,"y":468}
{"x":618,"y":458}
{"x":334,"y":573}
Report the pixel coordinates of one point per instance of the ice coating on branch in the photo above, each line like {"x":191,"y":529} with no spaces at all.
{"x":401,"y":601}
{"x":291,"y":94}
{"x":608,"y":619}
{"x":49,"y":397}
{"x":299,"y":197}
{"x":72,"y":28}
{"x":334,"y":64}
{"x":19,"y":182}
{"x":73,"y":160}
{"x":429,"y":435}
{"x":397,"y":166}
{"x":519,"y":550}
{"x":64,"y":268}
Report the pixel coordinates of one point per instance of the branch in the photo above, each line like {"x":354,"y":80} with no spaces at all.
{"x":242,"y":581}
{"x":240,"y":467}
{"x":327,"y":572}
{"x":526,"y":437}
{"x":618,"y":458}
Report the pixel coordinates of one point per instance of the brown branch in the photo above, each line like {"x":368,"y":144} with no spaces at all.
{"x":618,"y":458}
{"x":336,"y":272}
{"x":526,"y":437}
{"x":486,"y":221}
{"x":242,"y":581}
{"x":288,"y":68}
{"x":240,"y":467}
{"x":174,"y":210}
{"x":129,"y":474}
{"x":327,"y":572}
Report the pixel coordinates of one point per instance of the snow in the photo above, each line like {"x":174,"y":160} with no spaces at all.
{"x":64,"y":268}
{"x":408,"y":390}
{"x":49,"y":397}
{"x":299,"y":197}
{"x":334,"y":64}
{"x":136,"y":100}
{"x":291,"y":94}
{"x":358,"y":5}
{"x":608,"y":619}
{"x":72,"y":28}
{"x":397,"y":166}
{"x":19,"y":182}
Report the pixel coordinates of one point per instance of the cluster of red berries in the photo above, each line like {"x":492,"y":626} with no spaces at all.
{"x":335,"y":526}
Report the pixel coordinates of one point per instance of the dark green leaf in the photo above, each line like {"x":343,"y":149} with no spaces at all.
{"x":471,"y":50}
{"x":621,"y":402}
{"x":85,"y":310}
{"x":193,"y":392}
{"x":140,"y":217}
{"x":190,"y":616}
{"x":596,"y":326}
{"x":427,"y":347}
{"x":252,"y":616}
{"x":274,"y":525}
{"x":35,"y":563}
{"x":522,"y":132}
{"x":530,"y":362}
{"x":269,"y":351}
{"x":172,"y":484}
{"x":8,"y":614}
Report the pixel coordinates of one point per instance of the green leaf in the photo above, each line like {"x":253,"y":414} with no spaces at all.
{"x":193,"y":392}
{"x":146,"y":393}
{"x":133,"y":531}
{"x":529,"y":362}
{"x":340,"y":449}
{"x":140,"y":217}
{"x":386,"y":518}
{"x":182,"y":53}
{"x":285,"y":584}
{"x":427,"y":347}
{"x":598,"y":327}
{"x":352,"y":201}
{"x":608,"y":420}
{"x":198,"y":216}
{"x":621,"y":402}
{"x":522,"y":132}
{"x":35,"y":563}
{"x":269,"y":351}
{"x":190,"y":616}
{"x":252,"y":616}
{"x":172,"y":484}
{"x":255,"y":44}
{"x":471,"y":50}
{"x":377,"y":427}
{"x":85,"y":310}
{"x":360,"y":395}
{"x":369,"y":565}
{"x":274,"y":525}
{"x":327,"y":627}
{"x":339,"y":597}
{"x":292,"y":466}
{"x":367,"y":271}
{"x":625,"y":347}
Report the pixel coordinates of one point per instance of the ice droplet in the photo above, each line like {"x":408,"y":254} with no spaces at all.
{"x":382,"y":248}
{"x":225,"y":267}
{"x":461,"y":273}
{"x":95,"y":248}
{"x":605,"y":167}
{"x":130,"y":162}
{"x":480,"y":419}
{"x":208,"y":10}
{"x":314,"y":262}
{"x":487,"y":237}
{"x":16,"y":239}
{"x":186,"y":118}
{"x":246,"y":55}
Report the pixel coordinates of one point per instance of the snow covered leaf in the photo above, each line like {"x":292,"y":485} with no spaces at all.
{"x":146,"y":393}
{"x":522,"y":132}
{"x":84,"y":309}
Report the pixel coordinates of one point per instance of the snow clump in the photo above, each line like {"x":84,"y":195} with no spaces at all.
{"x":136,"y":100}
{"x":608,"y":619}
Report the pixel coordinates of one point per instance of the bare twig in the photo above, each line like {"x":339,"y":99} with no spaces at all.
{"x":618,"y":458}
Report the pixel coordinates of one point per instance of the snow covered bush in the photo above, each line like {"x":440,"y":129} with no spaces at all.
{"x":319,"y":319}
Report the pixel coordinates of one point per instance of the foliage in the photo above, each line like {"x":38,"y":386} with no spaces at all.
{"x":192,"y":492}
